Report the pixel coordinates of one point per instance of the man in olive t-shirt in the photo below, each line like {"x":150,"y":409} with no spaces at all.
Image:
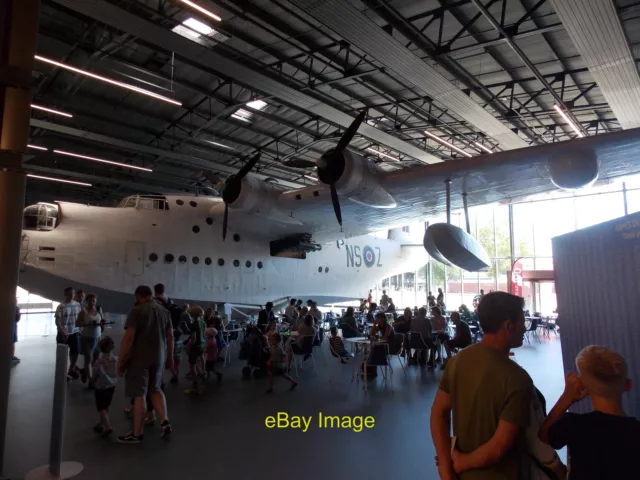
{"x":489,"y":397}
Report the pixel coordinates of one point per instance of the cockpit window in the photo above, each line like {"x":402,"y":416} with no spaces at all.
{"x":42,"y":217}
{"x":146,"y":202}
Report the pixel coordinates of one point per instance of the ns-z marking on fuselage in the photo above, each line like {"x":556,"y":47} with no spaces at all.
{"x":357,"y":256}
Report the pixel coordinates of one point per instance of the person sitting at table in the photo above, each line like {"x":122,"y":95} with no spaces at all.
{"x":304,"y":330}
{"x":392,"y":309}
{"x":439,"y":325}
{"x":337,"y":345}
{"x":349,"y":320}
{"x":462,"y":338}
{"x":272,"y":330}
{"x":421,"y":324}
{"x":403,"y":323}
{"x":371,"y":313}
{"x":381,"y":328}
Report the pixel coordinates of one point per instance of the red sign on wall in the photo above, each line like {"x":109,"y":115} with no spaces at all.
{"x":516,"y":279}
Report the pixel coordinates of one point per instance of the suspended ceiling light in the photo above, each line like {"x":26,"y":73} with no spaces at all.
{"x":257,"y":104}
{"x":186,"y":32}
{"x":108,"y":80}
{"x":36,"y":147}
{"x":51,"y":179}
{"x":220,"y":145}
{"x":377,"y":152}
{"x":94,"y":159}
{"x":568,"y":120}
{"x":444,"y":142}
{"x":488,"y":150}
{"x":309,"y":177}
{"x":51,"y":110}
{"x":202,"y":10}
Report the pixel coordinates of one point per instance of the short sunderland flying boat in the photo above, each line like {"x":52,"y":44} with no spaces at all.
{"x":277,"y":243}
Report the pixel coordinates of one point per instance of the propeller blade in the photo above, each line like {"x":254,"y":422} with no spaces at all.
{"x":350,"y":132}
{"x":224,"y":221}
{"x":336,"y":203}
{"x":247,"y":167}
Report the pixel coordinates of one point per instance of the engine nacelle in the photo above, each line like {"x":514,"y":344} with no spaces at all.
{"x":359,"y":182}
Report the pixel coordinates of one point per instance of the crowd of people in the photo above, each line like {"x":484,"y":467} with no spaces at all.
{"x":498,"y":417}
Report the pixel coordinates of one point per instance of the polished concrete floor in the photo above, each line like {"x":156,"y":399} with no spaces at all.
{"x":222,"y":433}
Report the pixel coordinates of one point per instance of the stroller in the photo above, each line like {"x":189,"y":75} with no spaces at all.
{"x":255,"y":351}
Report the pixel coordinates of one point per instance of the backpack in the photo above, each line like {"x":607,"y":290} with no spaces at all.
{"x":174,"y":310}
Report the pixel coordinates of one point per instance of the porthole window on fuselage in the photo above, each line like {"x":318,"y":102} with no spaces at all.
{"x":153,"y":257}
{"x":179,"y":202}
{"x":193,"y":204}
{"x":182,"y":259}
{"x":168,"y":258}
{"x":209,"y":221}
{"x":221,"y":262}
{"x":248,"y":264}
{"x":260,"y":265}
{"x":207,"y":261}
{"x":195,"y":260}
{"x":319,"y":269}
{"x":236,"y":263}
{"x":195,"y":229}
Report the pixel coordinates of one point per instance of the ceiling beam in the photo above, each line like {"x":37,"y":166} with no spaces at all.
{"x":208,"y":60}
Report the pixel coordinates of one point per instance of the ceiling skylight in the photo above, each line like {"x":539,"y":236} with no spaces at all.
{"x":198,"y":26}
{"x":242,"y":115}
{"x":257,"y":104}
{"x":186,"y":32}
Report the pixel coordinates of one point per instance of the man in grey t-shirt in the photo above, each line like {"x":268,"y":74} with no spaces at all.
{"x":146,"y":348}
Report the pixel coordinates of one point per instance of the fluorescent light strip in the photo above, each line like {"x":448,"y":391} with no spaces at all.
{"x":126,"y":165}
{"x":488,"y":150}
{"x":38,"y":147}
{"x":450,"y":145}
{"x":220,"y":145}
{"x":309,"y":177}
{"x":568,"y":120}
{"x":50,"y":110}
{"x":377,"y":152}
{"x":51,"y":179}
{"x":257,"y":104}
{"x":202,"y":10}
{"x":108,"y":80}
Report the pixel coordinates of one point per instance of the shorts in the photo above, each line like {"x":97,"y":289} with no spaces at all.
{"x":194,"y":354}
{"x":210,"y":366}
{"x":73,"y":341}
{"x":178,"y":350}
{"x":457,"y":344}
{"x":104,"y":397}
{"x":141,"y":379}
{"x":88,"y":345}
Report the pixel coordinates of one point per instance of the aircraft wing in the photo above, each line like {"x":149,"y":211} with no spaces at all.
{"x":419,"y":192}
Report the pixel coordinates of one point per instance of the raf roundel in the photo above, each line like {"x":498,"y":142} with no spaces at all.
{"x":369,"y":257}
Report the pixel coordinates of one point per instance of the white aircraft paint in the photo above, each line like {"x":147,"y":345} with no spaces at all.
{"x":107,"y":251}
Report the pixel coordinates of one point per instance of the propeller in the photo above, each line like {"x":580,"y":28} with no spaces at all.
{"x":332,"y":164}
{"x":232,"y":188}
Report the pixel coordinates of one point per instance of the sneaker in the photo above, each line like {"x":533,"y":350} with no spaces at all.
{"x":106,"y":433}
{"x":192,"y":391}
{"x":98,"y":428}
{"x":15,"y":360}
{"x":130,"y":439}
{"x":166,"y":429}
{"x":74,"y":374}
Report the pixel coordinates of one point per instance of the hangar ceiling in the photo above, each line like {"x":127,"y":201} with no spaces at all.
{"x":181,"y":86}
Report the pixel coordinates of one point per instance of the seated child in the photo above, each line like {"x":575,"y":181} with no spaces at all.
{"x":104,"y":379}
{"x":337,"y":345}
{"x":275,"y":365}
{"x":212,"y":353}
{"x":604,"y":443}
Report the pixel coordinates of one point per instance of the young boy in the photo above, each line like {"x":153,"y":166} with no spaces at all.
{"x":196,"y":348}
{"x":276,"y":361}
{"x":337,"y":345}
{"x":105,"y":377}
{"x":212,"y":353}
{"x":605,"y":443}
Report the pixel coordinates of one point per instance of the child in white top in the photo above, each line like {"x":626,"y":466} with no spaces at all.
{"x":104,"y":379}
